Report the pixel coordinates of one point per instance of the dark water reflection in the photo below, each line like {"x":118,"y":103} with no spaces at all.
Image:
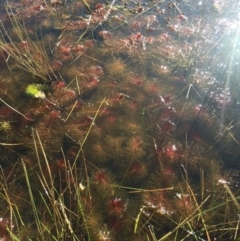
{"x":119,"y":120}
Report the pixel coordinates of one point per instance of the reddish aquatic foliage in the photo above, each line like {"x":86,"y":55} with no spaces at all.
{"x":61,"y":164}
{"x":5,"y":112}
{"x":101,"y":177}
{"x":116,"y":206}
{"x":76,"y":25}
{"x":187,"y":31}
{"x":135,"y":25}
{"x":171,"y":152}
{"x":103,"y":181}
{"x":55,"y":3}
{"x":158,"y":201}
{"x":23,"y":46}
{"x":135,"y":144}
{"x":56,"y":65}
{"x":26,"y":2}
{"x":116,"y":224}
{"x":167,"y":126}
{"x":163,"y":37}
{"x":60,"y":85}
{"x":135,"y":148}
{"x":99,"y":13}
{"x":93,"y":82}
{"x":136,"y":171}
{"x":85,"y":123}
{"x":69,"y":94}
{"x":169,"y":113}
{"x":32,"y":9}
{"x":132,"y":105}
{"x":166,"y":99}
{"x":64,"y":49}
{"x":89,"y":43}
{"x":5,"y":225}
{"x":98,"y":152}
{"x":37,"y":8}
{"x":138,"y":37}
{"x":3,"y":56}
{"x":99,"y":6}
{"x":152,"y":87}
{"x":174,"y":28}
{"x":79,"y":5}
{"x":62,"y":96}
{"x":53,"y":116}
{"x":64,"y":52}
{"x":111,"y":120}
{"x":181,"y":17}
{"x":105,"y":34}
{"x":116,"y":99}
{"x":72,"y":152}
{"x":135,"y":79}
{"x":79,"y":49}
{"x":95,"y":70}
{"x":105,"y":111}
{"x":27,"y":120}
{"x":150,"y":19}
{"x":185,"y":204}
{"x":76,"y":105}
{"x":168,"y":51}
{"x":198,"y":137}
{"x":149,"y":40}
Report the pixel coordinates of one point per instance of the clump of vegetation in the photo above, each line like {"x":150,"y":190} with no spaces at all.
{"x":128,"y":133}
{"x":35,"y":91}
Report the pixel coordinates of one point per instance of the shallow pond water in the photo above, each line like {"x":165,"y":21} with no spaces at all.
{"x":119,"y":120}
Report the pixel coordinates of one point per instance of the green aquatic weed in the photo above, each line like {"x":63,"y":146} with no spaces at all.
{"x":35,"y":91}
{"x":5,"y":126}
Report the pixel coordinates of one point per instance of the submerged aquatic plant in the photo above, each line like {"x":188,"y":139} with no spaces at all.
{"x":5,"y":126}
{"x":120,"y":140}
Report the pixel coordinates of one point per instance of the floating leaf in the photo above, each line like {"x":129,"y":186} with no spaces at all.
{"x":35,"y":91}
